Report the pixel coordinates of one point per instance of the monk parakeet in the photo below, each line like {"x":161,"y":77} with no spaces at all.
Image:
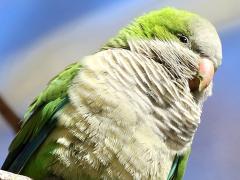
{"x":129,"y":111}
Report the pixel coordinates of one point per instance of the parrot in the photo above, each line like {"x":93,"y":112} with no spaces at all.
{"x":128,"y":111}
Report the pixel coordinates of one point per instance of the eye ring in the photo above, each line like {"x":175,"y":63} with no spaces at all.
{"x":184,"y":39}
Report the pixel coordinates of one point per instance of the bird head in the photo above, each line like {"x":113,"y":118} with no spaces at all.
{"x":188,"y":32}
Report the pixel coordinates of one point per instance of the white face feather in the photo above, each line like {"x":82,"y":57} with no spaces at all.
{"x":179,"y":61}
{"x":205,"y":40}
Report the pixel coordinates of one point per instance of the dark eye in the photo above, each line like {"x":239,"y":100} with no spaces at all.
{"x":183,"y":38}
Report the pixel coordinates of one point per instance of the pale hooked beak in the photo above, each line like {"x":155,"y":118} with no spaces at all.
{"x":204,"y":75}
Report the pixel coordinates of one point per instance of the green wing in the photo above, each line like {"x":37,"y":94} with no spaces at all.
{"x":39,"y":119}
{"x":179,"y":166}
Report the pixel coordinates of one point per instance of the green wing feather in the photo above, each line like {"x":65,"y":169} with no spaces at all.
{"x":39,"y":114}
{"x":179,"y":166}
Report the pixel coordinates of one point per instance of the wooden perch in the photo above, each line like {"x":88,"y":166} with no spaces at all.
{"x":4,"y":175}
{"x":12,"y":119}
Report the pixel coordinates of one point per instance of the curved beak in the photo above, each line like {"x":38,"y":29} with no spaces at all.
{"x":204,"y":75}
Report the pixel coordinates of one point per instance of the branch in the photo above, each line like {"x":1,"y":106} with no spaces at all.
{"x":12,"y":119}
{"x":4,"y":175}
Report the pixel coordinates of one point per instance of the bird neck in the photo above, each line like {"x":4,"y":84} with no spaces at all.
{"x":156,"y":97}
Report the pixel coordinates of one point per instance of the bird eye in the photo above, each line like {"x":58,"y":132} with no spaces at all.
{"x":183,"y":38}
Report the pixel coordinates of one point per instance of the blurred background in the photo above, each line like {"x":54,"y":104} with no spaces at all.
{"x":39,"y":38}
